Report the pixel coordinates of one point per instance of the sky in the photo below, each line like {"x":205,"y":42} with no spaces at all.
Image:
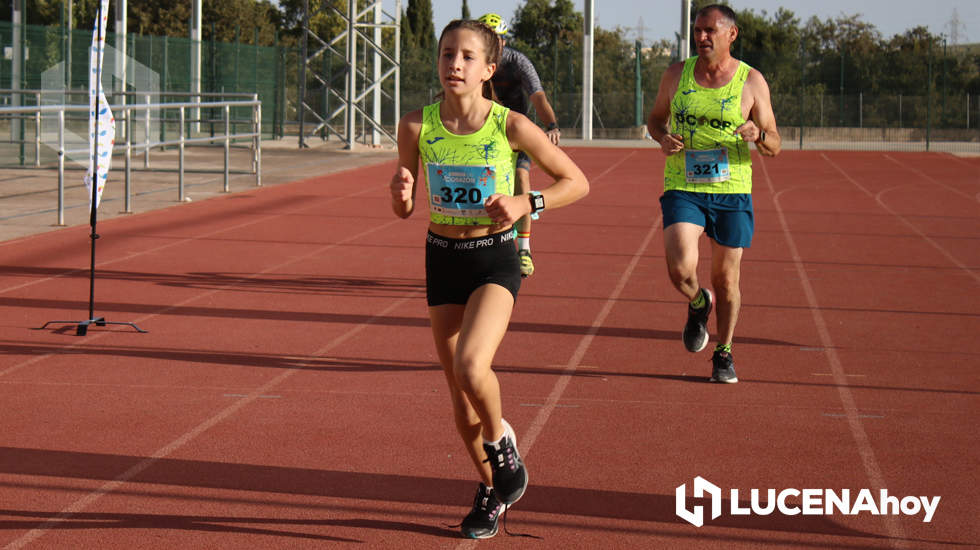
{"x":661,"y":18}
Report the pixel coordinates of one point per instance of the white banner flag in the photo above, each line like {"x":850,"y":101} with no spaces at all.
{"x":101,"y":124}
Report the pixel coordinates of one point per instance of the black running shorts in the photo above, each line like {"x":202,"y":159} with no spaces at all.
{"x":454,"y":268}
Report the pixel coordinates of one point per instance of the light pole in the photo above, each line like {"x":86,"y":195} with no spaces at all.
{"x":943,"y":115}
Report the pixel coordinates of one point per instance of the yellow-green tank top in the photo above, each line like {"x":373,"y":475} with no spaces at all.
{"x":462,"y":171}
{"x":707,"y":118}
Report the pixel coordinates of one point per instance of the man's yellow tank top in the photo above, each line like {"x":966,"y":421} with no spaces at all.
{"x":462,"y":171}
{"x":714,"y":159}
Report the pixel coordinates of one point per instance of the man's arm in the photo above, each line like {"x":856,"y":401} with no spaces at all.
{"x":547,"y":115}
{"x":761,"y":122}
{"x":658,"y":123}
{"x":531,"y":83}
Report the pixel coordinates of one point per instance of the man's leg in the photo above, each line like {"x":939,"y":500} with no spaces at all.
{"x":522,"y":184}
{"x":726,"y":265}
{"x":681,"y":251}
{"x":725,"y":272}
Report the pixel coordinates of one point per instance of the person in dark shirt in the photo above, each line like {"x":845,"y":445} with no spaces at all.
{"x":517,"y":85}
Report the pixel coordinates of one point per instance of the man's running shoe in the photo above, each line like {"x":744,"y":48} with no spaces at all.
{"x":527,"y":265}
{"x":481,"y":522}
{"x":695,"y":333}
{"x":723,"y":367}
{"x":509,"y":473}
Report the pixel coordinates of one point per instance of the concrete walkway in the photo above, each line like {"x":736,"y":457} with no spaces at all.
{"x":29,"y":196}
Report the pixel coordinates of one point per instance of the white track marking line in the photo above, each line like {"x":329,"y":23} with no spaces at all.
{"x":925,"y":176}
{"x":178,"y":242}
{"x":258,"y":393}
{"x":90,"y":337}
{"x":537,"y":424}
{"x":894,"y":527}
{"x":949,"y":256}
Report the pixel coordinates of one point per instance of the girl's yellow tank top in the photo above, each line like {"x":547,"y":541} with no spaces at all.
{"x":462,"y":171}
{"x":714,"y":159}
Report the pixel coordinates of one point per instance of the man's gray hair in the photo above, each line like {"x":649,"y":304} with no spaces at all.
{"x":725,"y":11}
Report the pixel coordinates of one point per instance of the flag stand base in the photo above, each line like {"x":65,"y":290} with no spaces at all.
{"x":82,"y":328}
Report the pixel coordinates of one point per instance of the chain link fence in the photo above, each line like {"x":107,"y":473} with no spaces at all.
{"x":820,"y":100}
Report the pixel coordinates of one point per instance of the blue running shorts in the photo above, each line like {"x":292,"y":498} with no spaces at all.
{"x":726,"y":218}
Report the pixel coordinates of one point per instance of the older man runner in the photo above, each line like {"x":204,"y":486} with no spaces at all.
{"x":708,"y":109}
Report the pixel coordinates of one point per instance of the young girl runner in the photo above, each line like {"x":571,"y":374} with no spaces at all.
{"x":467,"y":144}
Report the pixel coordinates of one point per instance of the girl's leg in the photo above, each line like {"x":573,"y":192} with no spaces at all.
{"x":466,"y":340}
{"x":484,"y":325}
{"x":446,"y":321}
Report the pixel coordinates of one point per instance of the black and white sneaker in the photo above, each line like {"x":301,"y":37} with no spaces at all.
{"x":695,"y":333}
{"x":509,"y":473}
{"x":482,"y":521}
{"x":723,"y":367}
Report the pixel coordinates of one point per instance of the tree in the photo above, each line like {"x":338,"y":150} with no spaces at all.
{"x":551,"y":36}
{"x":417,"y":28}
{"x":771,"y":44}
{"x":325,"y":19}
{"x":466,"y":10}
{"x":36,"y":12}
{"x":537,"y":24}
{"x":418,"y":44}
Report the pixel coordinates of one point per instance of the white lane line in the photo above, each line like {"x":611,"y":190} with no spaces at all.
{"x":949,"y":255}
{"x":896,"y":531}
{"x":84,"y":502}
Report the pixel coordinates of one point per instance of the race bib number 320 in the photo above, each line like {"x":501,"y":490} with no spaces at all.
{"x":710,"y":166}
{"x":460,"y":190}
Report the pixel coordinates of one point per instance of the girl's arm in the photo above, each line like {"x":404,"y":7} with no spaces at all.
{"x":402,"y":184}
{"x":569,"y":184}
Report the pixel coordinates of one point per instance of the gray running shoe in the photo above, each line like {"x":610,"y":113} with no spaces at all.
{"x":695,"y":333}
{"x":723,"y":368}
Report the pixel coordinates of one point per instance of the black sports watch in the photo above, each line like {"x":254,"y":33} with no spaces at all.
{"x":537,"y":203}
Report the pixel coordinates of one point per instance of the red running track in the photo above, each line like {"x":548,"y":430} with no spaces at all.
{"x":287,"y":394}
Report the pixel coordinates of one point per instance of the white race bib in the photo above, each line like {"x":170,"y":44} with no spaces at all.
{"x":460,"y":191}
{"x":710,"y":166}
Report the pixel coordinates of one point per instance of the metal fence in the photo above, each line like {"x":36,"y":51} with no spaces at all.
{"x":819,"y":101}
{"x":56,"y":58}
{"x":134,"y":121}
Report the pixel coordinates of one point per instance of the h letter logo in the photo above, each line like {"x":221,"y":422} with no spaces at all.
{"x":701,"y":486}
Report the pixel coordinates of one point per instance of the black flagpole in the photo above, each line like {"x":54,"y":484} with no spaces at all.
{"x":92,"y":319}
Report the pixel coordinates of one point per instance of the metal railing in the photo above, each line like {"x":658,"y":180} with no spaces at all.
{"x":22,"y":97}
{"x":127,"y":115}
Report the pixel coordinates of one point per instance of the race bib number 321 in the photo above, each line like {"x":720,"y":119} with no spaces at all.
{"x":460,"y":190}
{"x":710,"y":166}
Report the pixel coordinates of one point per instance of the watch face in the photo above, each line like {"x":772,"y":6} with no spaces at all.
{"x":538,"y":202}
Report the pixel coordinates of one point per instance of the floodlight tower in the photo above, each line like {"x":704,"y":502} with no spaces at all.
{"x":587,"y":58}
{"x":17,"y":63}
{"x":196,"y":35}
{"x":360,"y":85}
